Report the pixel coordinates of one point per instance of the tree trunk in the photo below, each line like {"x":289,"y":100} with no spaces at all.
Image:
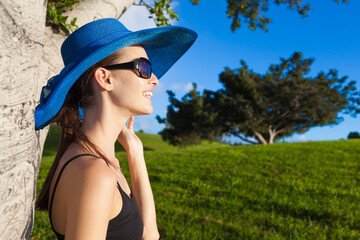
{"x":261,"y":138}
{"x":272,"y":133}
{"x":21,"y":42}
{"x":29,"y":55}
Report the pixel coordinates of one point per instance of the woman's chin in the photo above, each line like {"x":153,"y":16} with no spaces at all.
{"x":144,"y":112}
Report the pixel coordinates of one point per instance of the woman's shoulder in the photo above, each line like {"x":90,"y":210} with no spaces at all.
{"x":90,"y":195}
{"x":88,"y":182}
{"x":89,"y":169}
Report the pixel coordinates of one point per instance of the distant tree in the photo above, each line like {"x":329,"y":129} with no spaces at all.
{"x":285,"y":100}
{"x":191,"y":119}
{"x":353,"y":135}
{"x":262,"y":108}
{"x":251,"y":12}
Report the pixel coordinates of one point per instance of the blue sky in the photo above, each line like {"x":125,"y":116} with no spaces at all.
{"x":330,"y":34}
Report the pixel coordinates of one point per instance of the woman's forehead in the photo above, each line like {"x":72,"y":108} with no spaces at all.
{"x":132,"y":52}
{"x":133,"y":48}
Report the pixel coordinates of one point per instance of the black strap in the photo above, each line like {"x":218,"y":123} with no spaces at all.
{"x":119,"y":187}
{"x":57,"y":181}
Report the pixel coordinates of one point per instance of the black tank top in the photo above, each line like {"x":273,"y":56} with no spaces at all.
{"x":126,"y":225}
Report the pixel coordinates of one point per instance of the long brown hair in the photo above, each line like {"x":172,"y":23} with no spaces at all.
{"x":81,"y":94}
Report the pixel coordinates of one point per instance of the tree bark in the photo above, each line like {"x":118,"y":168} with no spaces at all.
{"x":29,"y":55}
{"x":21,"y":42}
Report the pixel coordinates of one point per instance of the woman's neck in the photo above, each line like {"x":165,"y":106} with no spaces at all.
{"x":102,"y":130}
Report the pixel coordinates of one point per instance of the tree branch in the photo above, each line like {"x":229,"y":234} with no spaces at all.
{"x":143,"y":4}
{"x":282,"y":117}
{"x":242,"y":138}
{"x":279,"y":131}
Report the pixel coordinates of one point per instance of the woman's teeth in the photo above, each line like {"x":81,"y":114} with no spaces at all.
{"x":147,"y":94}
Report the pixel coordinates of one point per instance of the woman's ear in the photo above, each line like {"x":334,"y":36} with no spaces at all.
{"x":104,"y":79}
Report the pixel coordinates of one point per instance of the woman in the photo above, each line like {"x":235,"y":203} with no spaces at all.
{"x":108,"y":79}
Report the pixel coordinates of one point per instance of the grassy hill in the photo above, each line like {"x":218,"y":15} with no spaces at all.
{"x":214,"y":191}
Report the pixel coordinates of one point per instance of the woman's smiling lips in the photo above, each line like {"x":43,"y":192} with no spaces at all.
{"x":148,"y":94}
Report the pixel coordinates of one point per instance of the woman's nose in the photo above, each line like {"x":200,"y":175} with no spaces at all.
{"x":154,"y":80}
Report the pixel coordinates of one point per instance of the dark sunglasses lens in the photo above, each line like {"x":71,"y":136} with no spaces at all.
{"x":145,"y":68}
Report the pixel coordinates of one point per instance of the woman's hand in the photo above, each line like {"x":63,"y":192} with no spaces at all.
{"x":128,"y":139}
{"x":140,"y":183}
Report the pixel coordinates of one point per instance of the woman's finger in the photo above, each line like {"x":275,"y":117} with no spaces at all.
{"x":131,"y":123}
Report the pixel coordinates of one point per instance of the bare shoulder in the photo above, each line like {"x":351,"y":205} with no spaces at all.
{"x":91,"y":194}
{"x":90,"y":172}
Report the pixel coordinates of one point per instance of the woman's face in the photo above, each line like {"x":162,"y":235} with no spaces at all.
{"x":130,"y":91}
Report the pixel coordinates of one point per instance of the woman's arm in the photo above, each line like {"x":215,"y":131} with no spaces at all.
{"x":143,"y":194}
{"x":140,"y":180}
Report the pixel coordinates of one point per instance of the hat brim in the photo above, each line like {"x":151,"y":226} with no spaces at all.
{"x":164,"y":46}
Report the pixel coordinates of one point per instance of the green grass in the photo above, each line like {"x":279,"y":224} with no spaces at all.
{"x":215,"y":191}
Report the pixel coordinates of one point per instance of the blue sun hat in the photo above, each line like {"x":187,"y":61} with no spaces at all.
{"x":95,"y":41}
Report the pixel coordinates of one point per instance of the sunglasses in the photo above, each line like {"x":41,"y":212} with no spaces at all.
{"x":142,"y":65}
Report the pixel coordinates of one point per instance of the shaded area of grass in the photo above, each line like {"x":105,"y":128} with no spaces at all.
{"x":282,"y":191}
